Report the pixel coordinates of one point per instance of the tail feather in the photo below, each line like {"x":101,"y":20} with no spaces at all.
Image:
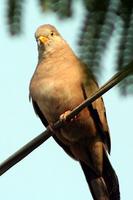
{"x":96,"y":184}
{"x":105,"y":187}
{"x":111,"y":179}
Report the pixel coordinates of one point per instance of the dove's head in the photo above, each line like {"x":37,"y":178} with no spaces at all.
{"x":48,"y":39}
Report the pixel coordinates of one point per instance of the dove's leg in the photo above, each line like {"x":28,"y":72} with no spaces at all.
{"x":63,"y":117}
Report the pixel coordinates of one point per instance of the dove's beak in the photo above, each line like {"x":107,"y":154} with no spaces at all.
{"x":43,"y":39}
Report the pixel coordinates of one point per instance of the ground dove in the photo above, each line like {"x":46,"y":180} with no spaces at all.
{"x":61,"y":82}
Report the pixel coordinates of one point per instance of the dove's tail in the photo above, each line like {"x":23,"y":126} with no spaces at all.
{"x":105,"y":187}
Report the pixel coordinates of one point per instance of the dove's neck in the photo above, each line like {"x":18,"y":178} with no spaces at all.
{"x":56,"y":51}
{"x":56,"y":61}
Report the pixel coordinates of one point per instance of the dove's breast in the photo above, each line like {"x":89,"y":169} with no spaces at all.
{"x":56,"y":94}
{"x":59,"y":92}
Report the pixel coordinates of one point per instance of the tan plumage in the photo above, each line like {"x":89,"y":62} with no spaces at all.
{"x":60,"y":83}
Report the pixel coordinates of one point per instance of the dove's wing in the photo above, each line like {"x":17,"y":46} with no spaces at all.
{"x":45,"y":123}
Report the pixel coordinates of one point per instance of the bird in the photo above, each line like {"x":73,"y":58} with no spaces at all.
{"x":60,"y":82}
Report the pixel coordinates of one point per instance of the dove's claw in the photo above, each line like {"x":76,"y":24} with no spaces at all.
{"x":63,"y":117}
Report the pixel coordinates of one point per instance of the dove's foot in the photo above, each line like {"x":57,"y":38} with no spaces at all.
{"x":63,"y":117}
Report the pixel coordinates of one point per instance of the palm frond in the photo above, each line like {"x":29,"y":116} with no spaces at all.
{"x":106,"y":33}
{"x":126,"y":44}
{"x":89,"y":36}
{"x":90,"y":31}
{"x":62,"y":7}
{"x":14,"y":16}
{"x":96,"y":32}
{"x":45,"y":5}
